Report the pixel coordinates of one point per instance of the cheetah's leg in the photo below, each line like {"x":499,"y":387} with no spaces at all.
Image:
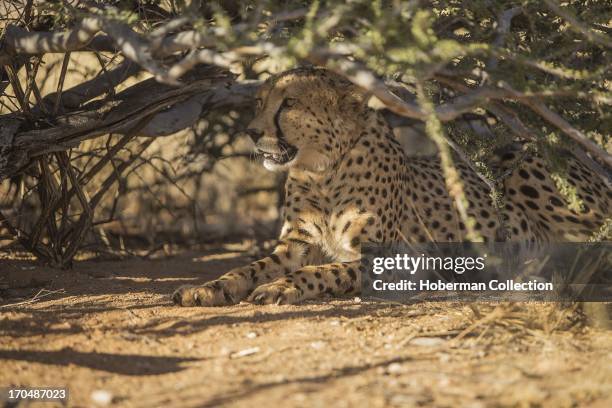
{"x":235,"y":285}
{"x":310,"y":282}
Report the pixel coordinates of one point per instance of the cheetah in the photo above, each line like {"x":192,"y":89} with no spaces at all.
{"x":349,"y":183}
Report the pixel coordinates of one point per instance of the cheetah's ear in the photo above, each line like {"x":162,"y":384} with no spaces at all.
{"x":352,"y":98}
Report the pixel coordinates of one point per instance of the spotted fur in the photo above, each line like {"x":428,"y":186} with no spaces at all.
{"x":350,"y":183}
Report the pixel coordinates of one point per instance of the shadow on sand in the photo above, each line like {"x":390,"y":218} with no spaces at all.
{"x":126,"y":364}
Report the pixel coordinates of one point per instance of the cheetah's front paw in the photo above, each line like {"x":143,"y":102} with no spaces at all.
{"x":279,"y":292}
{"x":215,"y":293}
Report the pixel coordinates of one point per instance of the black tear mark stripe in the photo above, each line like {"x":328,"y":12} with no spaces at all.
{"x":304,"y":232}
{"x":279,"y":131}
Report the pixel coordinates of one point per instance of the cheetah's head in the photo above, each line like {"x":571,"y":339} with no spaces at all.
{"x":307,"y":119}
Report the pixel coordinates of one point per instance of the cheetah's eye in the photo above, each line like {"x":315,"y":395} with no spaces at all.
{"x":289,"y":102}
{"x":258,"y":103}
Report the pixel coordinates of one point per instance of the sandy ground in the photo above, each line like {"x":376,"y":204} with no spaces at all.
{"x":108,"y":330}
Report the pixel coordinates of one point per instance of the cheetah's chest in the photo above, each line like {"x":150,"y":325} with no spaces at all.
{"x":335,"y":217}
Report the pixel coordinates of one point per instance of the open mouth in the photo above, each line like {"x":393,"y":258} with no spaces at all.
{"x":279,"y":158}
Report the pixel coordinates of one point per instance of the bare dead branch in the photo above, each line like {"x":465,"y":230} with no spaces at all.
{"x":20,"y":41}
{"x":504,"y":23}
{"x":365,"y":79}
{"x":135,"y":107}
{"x":132,"y":45}
{"x":74,"y":97}
{"x":60,"y":83}
{"x":516,"y":125}
{"x":564,"y":126}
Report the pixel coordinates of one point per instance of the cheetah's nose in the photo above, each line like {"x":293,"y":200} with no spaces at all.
{"x":254,"y":134}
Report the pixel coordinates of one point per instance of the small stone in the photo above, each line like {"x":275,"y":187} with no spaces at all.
{"x":60,"y":326}
{"x":357,"y":299}
{"x":102,"y":397}
{"x":251,"y":335}
{"x":394,"y":368}
{"x":245,"y":352}
{"x":280,"y":378}
{"x":318,"y":345}
{"x":427,"y":341}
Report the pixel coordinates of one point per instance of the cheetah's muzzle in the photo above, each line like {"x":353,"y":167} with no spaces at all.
{"x":280,"y":155}
{"x":280,"y":158}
